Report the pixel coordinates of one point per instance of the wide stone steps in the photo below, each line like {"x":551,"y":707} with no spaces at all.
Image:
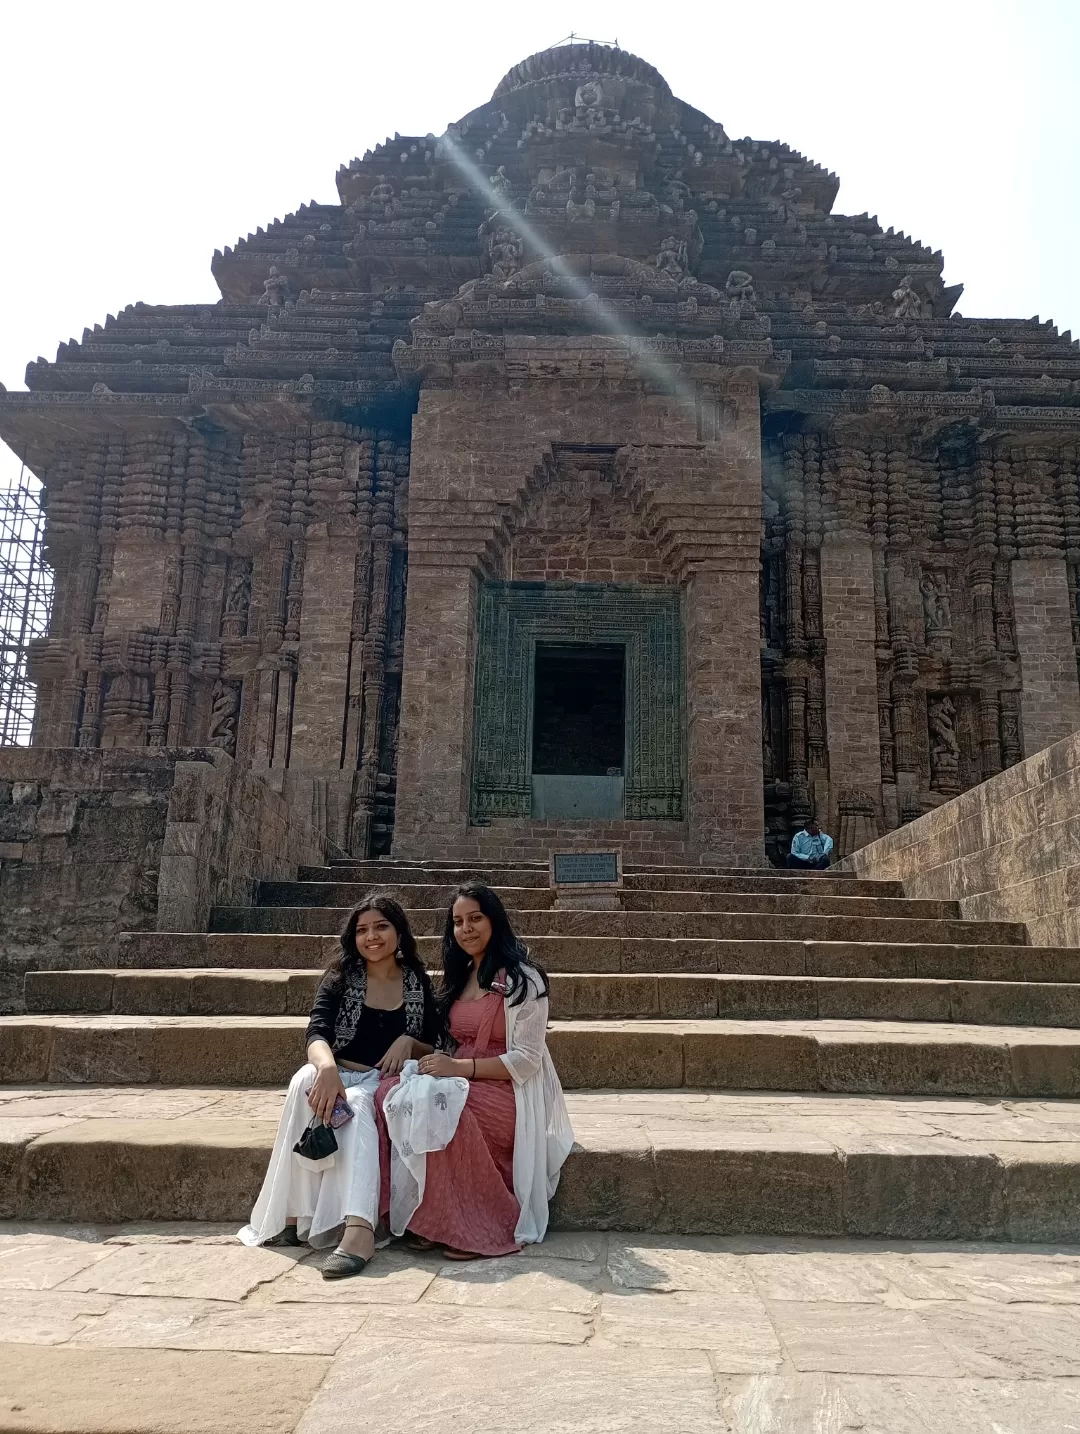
{"x":743,"y":1052}
{"x":743,"y":926}
{"x":665,"y":1161}
{"x":195,"y":992}
{"x":636,"y":955}
{"x":880,"y":1057}
{"x":314,"y":883}
{"x":545,"y":921}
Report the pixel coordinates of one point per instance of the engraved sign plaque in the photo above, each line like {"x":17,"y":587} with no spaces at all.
{"x":585,"y":868}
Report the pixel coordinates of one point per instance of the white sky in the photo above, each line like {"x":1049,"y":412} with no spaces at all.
{"x":135,"y":138}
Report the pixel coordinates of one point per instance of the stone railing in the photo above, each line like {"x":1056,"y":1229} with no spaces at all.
{"x":1007,"y":850}
{"x":96,"y":842}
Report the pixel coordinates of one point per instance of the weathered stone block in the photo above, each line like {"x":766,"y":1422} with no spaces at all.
{"x":906,"y":1189}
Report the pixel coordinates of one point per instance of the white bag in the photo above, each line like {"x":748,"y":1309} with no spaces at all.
{"x":422,"y":1114}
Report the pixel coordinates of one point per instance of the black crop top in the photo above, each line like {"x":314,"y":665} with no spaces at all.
{"x":375,"y":1032}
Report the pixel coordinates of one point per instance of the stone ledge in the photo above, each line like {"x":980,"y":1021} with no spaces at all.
{"x":644,"y":1160}
{"x":595,"y":996}
{"x":871,"y":1056}
{"x":584,"y":955}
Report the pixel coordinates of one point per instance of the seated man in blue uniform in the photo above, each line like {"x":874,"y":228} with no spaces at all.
{"x":810,"y":849}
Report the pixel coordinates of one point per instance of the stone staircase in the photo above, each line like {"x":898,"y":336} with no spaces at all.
{"x":742,"y":1052}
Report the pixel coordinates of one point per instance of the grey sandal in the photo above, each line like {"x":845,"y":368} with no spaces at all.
{"x":288,"y":1236}
{"x":339,"y":1265}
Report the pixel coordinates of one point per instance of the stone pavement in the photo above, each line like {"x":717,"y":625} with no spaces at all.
{"x":165,"y":1329}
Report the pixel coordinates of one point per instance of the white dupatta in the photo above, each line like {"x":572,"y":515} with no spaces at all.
{"x":543,"y":1136}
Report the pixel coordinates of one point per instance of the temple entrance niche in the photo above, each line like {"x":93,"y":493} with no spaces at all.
{"x":579,"y":730}
{"x":580,"y":710}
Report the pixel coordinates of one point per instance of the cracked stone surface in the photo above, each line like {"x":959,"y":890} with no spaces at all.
{"x":176,"y":1327}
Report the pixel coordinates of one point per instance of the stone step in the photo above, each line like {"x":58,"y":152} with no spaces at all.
{"x":371,"y":869}
{"x":542,"y":898}
{"x":748,"y":926}
{"x":193,"y":992}
{"x":634,"y":955}
{"x":667,"y":1161}
{"x":775,"y":882}
{"x":882,"y":1057}
{"x":528,"y":921}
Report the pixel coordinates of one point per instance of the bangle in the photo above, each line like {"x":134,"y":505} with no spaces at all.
{"x":473,"y":1076}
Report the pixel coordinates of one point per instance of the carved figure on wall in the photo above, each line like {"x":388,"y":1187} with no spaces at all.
{"x":507,"y":252}
{"x":275,"y":288}
{"x":937,"y":607}
{"x":943,"y":741}
{"x":1010,"y":729}
{"x":237,"y":599}
{"x":224,"y":713}
{"x":740,"y":285}
{"x":672,"y":257}
{"x":589,"y":96}
{"x":906,"y":302}
{"x":944,"y":746}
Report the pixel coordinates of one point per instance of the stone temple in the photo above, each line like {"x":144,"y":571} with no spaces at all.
{"x":578,"y":477}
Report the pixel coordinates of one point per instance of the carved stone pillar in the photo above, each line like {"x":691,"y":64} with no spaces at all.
{"x":851,"y":686}
{"x":1050,"y":702}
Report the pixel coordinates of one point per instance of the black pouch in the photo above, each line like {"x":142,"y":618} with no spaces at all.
{"x":317,"y":1142}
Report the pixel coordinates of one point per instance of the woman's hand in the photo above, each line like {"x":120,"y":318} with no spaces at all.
{"x":400,"y":1052}
{"x":324,"y":1091}
{"x":440,"y":1064}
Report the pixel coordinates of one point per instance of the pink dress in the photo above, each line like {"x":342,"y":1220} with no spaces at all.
{"x":469,"y":1202}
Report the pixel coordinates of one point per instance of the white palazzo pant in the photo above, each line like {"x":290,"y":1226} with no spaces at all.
{"x":319,"y":1200}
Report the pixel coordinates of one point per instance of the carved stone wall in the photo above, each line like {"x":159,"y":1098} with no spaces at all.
{"x":967,"y":624}
{"x":242,"y":592}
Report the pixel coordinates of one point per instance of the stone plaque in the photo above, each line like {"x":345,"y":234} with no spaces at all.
{"x":585,"y":868}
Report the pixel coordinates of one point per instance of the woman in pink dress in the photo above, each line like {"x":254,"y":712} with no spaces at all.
{"x":487,"y":1191}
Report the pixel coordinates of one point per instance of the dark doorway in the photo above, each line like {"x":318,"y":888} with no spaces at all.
{"x":579,"y":710}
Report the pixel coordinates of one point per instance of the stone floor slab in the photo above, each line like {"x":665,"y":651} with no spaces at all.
{"x":733,"y":1328}
{"x":391,"y":1279}
{"x":861,"y":1339}
{"x":844,"y":1404}
{"x":398,"y":1387}
{"x":153,"y":1391}
{"x":47,"y":1316}
{"x":536,"y":1284}
{"x":208,"y":1272}
{"x":213,"y":1324}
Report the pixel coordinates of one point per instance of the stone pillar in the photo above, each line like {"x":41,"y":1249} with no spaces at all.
{"x":851,"y":687}
{"x":1050,"y":704}
{"x":435,"y":724}
{"x":322,"y":679}
{"x":723,"y":718}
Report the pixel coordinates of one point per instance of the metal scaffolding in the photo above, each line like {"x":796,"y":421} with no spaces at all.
{"x":25,"y":600}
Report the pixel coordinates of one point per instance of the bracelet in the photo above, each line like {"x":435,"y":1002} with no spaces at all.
{"x":473,"y":1076}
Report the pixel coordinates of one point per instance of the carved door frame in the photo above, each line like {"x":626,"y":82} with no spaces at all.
{"x":513,"y":617}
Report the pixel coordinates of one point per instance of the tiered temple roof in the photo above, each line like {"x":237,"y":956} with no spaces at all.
{"x":313,"y":305}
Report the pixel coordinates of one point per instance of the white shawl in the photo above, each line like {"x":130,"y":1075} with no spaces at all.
{"x":543,"y":1136}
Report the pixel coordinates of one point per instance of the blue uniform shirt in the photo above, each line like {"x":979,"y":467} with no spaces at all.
{"x":811,"y":848}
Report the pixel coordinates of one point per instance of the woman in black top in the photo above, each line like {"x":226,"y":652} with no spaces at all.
{"x":373,"y":1011}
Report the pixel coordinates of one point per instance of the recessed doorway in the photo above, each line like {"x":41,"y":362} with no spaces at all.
{"x":579,"y":730}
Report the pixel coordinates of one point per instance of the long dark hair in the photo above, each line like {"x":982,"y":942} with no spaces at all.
{"x":505,"y":952}
{"x":406,"y":955}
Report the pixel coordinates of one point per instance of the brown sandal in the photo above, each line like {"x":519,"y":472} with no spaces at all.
{"x":417,"y":1242}
{"x":452,"y":1254}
